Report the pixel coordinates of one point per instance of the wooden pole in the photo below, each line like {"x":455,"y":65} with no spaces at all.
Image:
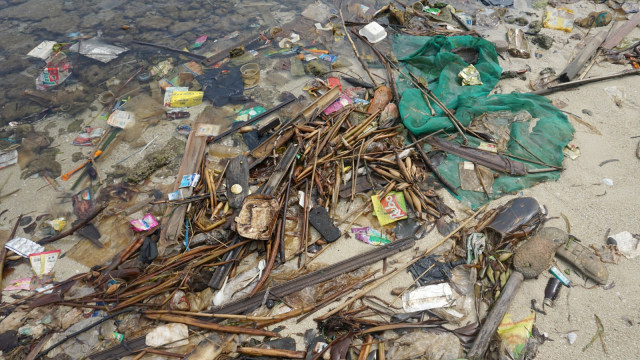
{"x":481,"y":343}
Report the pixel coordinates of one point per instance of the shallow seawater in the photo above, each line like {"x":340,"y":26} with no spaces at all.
{"x":44,"y":122}
{"x":177,"y":24}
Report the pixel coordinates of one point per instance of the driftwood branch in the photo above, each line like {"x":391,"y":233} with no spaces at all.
{"x":75,"y":228}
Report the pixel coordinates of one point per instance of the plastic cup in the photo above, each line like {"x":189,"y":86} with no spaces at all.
{"x":250,"y":75}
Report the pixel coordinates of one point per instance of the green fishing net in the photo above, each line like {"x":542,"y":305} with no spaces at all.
{"x":535,"y":138}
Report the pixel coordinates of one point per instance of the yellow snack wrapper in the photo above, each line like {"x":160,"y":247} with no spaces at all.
{"x":186,"y":98}
{"x":391,"y":208}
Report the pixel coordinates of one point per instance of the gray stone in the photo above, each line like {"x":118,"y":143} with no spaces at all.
{"x":544,"y":41}
{"x":317,"y":67}
{"x":180,"y":28}
{"x":535,"y":255}
{"x":34,"y":10}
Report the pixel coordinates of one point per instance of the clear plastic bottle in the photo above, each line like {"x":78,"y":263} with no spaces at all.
{"x":223,"y":151}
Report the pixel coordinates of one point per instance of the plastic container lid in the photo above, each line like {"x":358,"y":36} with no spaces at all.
{"x":374,"y":32}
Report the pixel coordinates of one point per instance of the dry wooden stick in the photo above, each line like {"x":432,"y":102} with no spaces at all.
{"x":154,"y":290}
{"x":272,"y":259}
{"x":285,"y":316}
{"x":364,"y":291}
{"x":80,"y":224}
{"x":201,"y":314}
{"x":387,"y":67}
{"x":428,"y":164}
{"x":211,"y":326}
{"x":162,"y":353}
{"x":278,"y":353}
{"x":362,"y":62}
{"x":413,"y":282}
{"x":366,"y":348}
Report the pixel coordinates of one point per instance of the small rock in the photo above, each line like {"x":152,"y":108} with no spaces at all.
{"x":389,"y":114}
{"x":535,"y":26}
{"x":536,"y":254}
{"x":317,"y":67}
{"x":501,"y":46}
{"x":572,"y":337}
{"x":607,"y":181}
{"x":521,"y":21}
{"x":544,"y":41}
{"x":587,"y":112}
{"x":547,"y":70}
{"x":297,"y":69}
{"x":397,"y":291}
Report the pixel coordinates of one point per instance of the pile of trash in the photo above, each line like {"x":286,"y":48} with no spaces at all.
{"x":207,"y":247}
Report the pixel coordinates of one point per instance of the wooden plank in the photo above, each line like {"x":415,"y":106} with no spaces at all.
{"x":286,"y":132}
{"x":281,"y":169}
{"x":237,"y":174}
{"x":573,"y":69}
{"x":614,"y":39}
{"x":173,"y":219}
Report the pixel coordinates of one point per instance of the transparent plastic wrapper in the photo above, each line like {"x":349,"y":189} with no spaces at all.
{"x":43,"y":50}
{"x":559,"y":19}
{"x":462,"y":311}
{"x":475,"y":177}
{"x":495,"y":126}
{"x":619,"y":97}
{"x":169,"y":335}
{"x":55,"y":72}
{"x":430,"y":345}
{"x":98,"y":50}
{"x":487,"y":19}
{"x":518,"y":45}
{"x":318,"y":12}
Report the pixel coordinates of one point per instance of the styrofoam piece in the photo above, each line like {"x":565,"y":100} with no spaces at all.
{"x":23,"y":247}
{"x":374,"y":32}
{"x":428,"y":297}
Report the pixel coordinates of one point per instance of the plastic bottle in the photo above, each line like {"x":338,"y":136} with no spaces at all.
{"x":223,"y":151}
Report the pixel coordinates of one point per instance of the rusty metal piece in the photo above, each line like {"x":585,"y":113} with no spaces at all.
{"x":257,"y":217}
